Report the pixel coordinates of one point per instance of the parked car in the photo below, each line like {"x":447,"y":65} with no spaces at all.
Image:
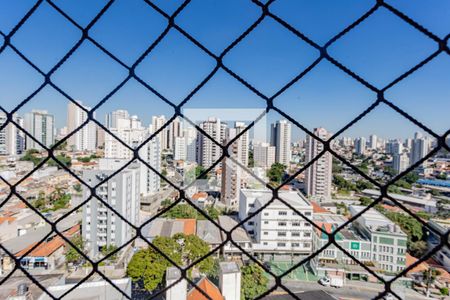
{"x":325,"y":281}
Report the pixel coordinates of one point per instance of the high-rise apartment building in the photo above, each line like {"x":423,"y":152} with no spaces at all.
{"x":180,"y":149}
{"x":41,"y":125}
{"x":400,"y":162}
{"x":132,"y":133}
{"x":319,"y":175}
{"x":263,"y":155}
{"x":157,"y":123}
{"x":373,"y":142}
{"x":419,"y":148}
{"x":101,"y":227}
{"x":243,"y":141}
{"x":12,"y":140}
{"x":280,"y":137}
{"x":84,"y":139}
{"x":360,"y":146}
{"x":112,"y":119}
{"x":209,"y":152}
{"x":231,"y":172}
{"x":174,"y":130}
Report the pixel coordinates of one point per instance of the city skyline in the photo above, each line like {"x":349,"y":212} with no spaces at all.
{"x":317,"y":96}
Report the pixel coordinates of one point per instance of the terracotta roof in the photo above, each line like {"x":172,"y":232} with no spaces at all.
{"x":189,"y":226}
{"x":317,"y":209}
{"x":46,"y":249}
{"x":208,"y":288}
{"x":7,"y":219}
{"x":417,"y":269}
{"x":199,"y":195}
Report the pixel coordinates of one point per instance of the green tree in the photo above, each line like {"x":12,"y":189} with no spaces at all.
{"x":181,"y":211}
{"x":365,"y":201}
{"x":198,"y":171}
{"x":30,"y":155}
{"x":254,"y":281}
{"x":251,"y":159}
{"x":411,"y":177}
{"x":72,"y":256}
{"x":336,"y":166}
{"x":194,"y":248}
{"x":41,"y":201}
{"x":106,"y":250}
{"x":62,"y":158}
{"x":276,"y":172}
{"x":147,"y":267}
{"x":417,"y":249}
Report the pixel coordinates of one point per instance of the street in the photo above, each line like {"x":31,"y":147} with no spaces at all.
{"x":354,"y":290}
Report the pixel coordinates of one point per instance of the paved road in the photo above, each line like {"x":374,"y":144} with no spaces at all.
{"x":356,"y":290}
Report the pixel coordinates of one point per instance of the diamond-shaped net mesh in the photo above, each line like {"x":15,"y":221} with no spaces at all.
{"x":172,"y":25}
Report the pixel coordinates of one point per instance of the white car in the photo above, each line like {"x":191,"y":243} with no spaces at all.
{"x":325,"y":281}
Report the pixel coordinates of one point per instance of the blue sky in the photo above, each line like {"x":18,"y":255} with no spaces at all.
{"x":379,"y":50}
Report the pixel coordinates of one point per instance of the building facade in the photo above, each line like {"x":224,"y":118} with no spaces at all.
{"x":319,"y":175}
{"x":101,"y":227}
{"x":41,"y":125}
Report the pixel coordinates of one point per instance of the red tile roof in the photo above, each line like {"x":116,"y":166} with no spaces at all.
{"x":317,"y":209}
{"x":189,"y":226}
{"x":208,"y":288}
{"x":46,"y":249}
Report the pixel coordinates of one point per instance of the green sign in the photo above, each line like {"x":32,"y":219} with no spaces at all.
{"x":354,"y":246}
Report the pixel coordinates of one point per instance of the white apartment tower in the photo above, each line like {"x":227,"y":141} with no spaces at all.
{"x":244,"y":142}
{"x":112,"y":119}
{"x":373,"y":142}
{"x":208,"y":151}
{"x":263,"y":155}
{"x":41,"y":125}
{"x":360,"y":146}
{"x":319,"y":175}
{"x":84,"y":139}
{"x":132,"y":133}
{"x":419,"y":148}
{"x":12,"y":140}
{"x":400,"y":162}
{"x":101,"y":227}
{"x":280,"y":137}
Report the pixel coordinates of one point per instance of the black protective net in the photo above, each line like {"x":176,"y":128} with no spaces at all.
{"x":265,"y":13}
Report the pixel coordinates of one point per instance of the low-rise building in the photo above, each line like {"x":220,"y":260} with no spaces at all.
{"x":388,"y":241}
{"x":277,"y":230}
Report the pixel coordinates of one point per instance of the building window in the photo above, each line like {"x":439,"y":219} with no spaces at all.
{"x":265,"y":243}
{"x":266,"y":222}
{"x":295,"y":244}
{"x":281,"y":244}
{"x":295,"y":233}
{"x":308,"y":213}
{"x":307,"y":224}
{"x":296,"y":224}
{"x":266,"y":233}
{"x":282,"y":233}
{"x":281,"y":223}
{"x":307,"y":234}
{"x":282,"y":213}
